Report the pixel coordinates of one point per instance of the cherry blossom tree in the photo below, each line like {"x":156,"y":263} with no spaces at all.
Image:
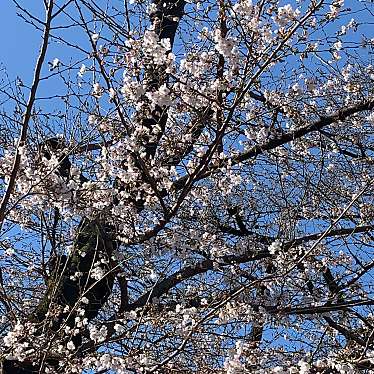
{"x":187,"y":187}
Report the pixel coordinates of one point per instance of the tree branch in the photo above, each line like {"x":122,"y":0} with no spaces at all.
{"x":285,"y":138}
{"x":27,"y":115}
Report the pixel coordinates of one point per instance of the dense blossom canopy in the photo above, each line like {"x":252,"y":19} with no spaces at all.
{"x":194,"y":193}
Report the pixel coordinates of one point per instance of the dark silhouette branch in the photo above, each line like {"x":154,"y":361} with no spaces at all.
{"x":284,"y":138}
{"x":204,"y":266}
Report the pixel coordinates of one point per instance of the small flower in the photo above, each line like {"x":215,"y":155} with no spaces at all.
{"x":97,"y":273}
{"x":275,"y":247}
{"x":119,"y":328}
{"x":70,"y":346}
{"x":97,"y":90}
{"x":10,"y":252}
{"x":82,"y":70}
{"x":98,"y":335}
{"x":54,"y":64}
{"x":338,"y":45}
{"x":162,"y":97}
{"x":92,"y":119}
{"x":285,"y":15}
{"x":95,"y":37}
{"x":304,"y":367}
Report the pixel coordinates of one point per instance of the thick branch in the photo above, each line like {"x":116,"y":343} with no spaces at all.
{"x":165,"y":285}
{"x":188,"y":272}
{"x":285,"y":138}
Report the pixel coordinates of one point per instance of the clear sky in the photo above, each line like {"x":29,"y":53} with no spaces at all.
{"x":19,"y":41}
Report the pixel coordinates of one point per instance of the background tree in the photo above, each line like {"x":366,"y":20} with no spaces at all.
{"x":195,"y":192}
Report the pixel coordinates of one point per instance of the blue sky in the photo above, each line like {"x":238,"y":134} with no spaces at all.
{"x":20,"y":42}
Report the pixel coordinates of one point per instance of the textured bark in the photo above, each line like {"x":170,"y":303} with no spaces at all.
{"x":65,"y":289}
{"x":92,"y":245}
